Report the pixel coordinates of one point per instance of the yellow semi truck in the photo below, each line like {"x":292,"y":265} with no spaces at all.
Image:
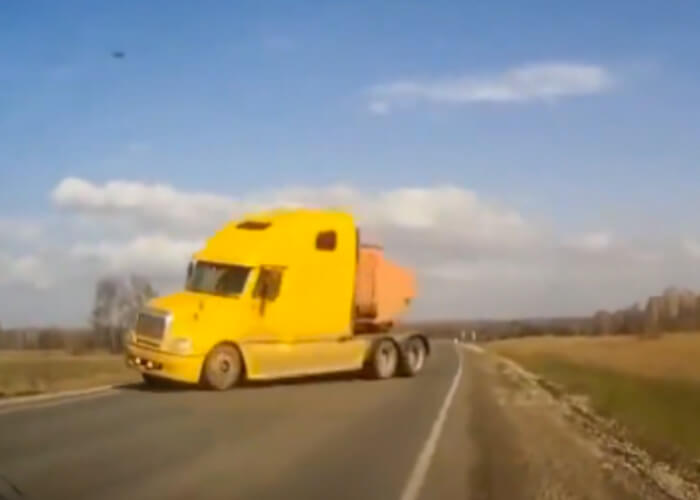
{"x":279,"y":294}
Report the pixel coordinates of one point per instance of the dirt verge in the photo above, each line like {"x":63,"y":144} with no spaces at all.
{"x":577,"y":434}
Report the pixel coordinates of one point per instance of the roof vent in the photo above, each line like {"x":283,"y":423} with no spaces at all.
{"x":253,"y":225}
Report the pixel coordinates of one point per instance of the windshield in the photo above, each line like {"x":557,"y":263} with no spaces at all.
{"x":217,"y":279}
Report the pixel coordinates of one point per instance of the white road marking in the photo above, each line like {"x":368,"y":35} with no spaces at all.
{"x":12,"y":405}
{"x":420,"y":468}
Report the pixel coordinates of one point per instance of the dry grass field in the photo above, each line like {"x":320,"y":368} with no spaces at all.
{"x":32,"y":372}
{"x":673,"y":356}
{"x":651,"y":386}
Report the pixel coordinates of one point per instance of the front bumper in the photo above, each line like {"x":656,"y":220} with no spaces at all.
{"x":165,"y":365}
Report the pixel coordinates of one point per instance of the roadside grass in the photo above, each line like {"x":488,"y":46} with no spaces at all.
{"x":651,"y":387}
{"x":34,"y":372}
{"x":672,"y":356}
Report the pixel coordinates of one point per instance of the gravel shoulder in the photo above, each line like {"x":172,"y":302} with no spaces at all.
{"x":525,"y":441}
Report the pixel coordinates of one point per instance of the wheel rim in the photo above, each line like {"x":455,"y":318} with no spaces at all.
{"x":386,"y":359}
{"x":222,"y":370}
{"x":224,"y":365}
{"x":416,"y":355}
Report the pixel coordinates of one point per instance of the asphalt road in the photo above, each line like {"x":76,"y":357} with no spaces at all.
{"x":322,"y":438}
{"x":333,"y":438}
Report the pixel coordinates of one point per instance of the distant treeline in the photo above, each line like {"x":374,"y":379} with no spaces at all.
{"x":76,"y":341}
{"x":674,"y":310}
{"x":116,"y":303}
{"x":501,"y":329}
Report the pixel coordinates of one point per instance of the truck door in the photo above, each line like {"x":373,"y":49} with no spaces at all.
{"x":281,"y":352}
{"x":272,"y":354}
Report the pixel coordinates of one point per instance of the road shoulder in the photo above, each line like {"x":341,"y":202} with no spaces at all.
{"x":508,"y":439}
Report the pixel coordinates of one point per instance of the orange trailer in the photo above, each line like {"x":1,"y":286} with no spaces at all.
{"x":383,"y":290}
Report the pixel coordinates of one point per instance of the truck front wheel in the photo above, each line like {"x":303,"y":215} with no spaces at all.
{"x":383,"y":360}
{"x":222,"y":368}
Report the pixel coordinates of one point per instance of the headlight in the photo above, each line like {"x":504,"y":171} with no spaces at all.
{"x":181,"y":345}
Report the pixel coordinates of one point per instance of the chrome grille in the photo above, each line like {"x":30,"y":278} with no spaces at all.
{"x":150,"y":325}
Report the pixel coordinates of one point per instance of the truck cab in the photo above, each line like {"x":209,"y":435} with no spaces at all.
{"x":269,"y":296}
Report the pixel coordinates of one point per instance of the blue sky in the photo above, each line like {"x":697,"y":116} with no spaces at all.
{"x":238,"y":98}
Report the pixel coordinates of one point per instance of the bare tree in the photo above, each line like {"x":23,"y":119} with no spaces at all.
{"x":117,"y":302}
{"x":633,"y":319}
{"x":653,"y":316}
{"x":670,"y":305}
{"x":602,"y":323}
{"x":686,"y":317}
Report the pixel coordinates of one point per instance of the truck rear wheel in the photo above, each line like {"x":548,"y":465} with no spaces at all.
{"x":412,"y":359}
{"x":384,"y":360}
{"x":222,"y":368}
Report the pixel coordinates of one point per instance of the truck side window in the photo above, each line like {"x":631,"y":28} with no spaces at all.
{"x":326,"y":240}
{"x":269,"y":283}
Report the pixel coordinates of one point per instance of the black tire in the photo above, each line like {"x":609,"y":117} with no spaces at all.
{"x":384,"y":360}
{"x":152,"y":380}
{"x":413,"y":356}
{"x":222,"y":368}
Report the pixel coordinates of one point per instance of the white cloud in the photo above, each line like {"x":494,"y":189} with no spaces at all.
{"x":440,"y":215}
{"x":24,"y":270}
{"x":19,"y":229}
{"x":608,"y":249}
{"x":151,"y":255}
{"x":691,"y":247}
{"x":156,"y":202}
{"x":543,"y":82}
{"x":595,"y":242}
{"x":474,"y":257}
{"x":478,"y":271}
